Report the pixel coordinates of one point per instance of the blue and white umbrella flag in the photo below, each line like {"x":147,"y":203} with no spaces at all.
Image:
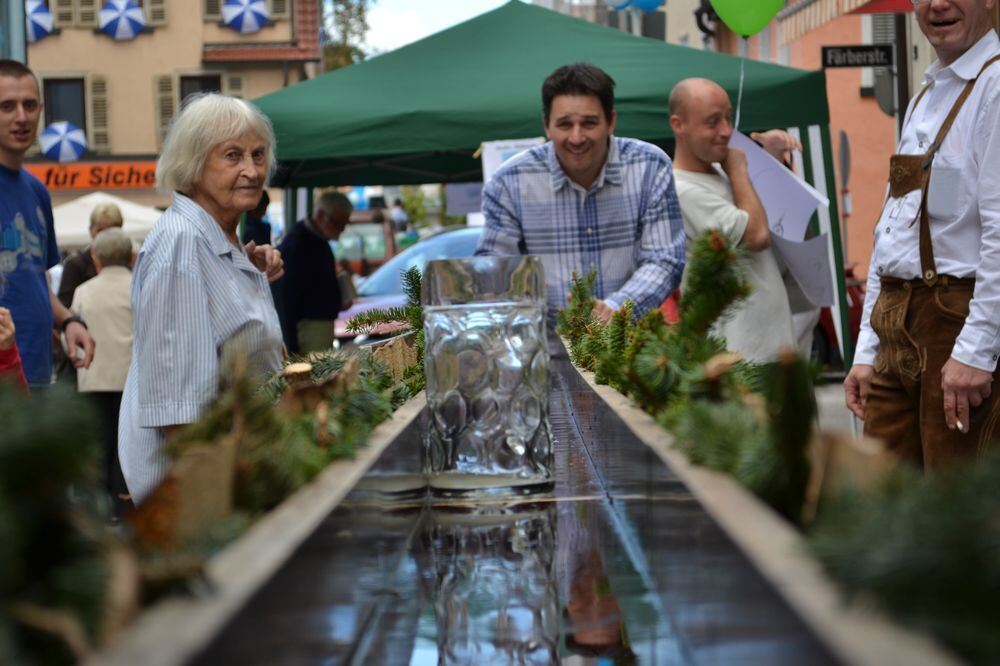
{"x":122,"y":19}
{"x":63,"y":141}
{"x":39,"y":20}
{"x":245,"y":16}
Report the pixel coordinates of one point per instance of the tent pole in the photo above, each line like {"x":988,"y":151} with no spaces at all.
{"x":291,"y":207}
{"x":830,"y":190}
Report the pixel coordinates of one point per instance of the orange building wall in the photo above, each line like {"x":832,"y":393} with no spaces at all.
{"x":870,"y":132}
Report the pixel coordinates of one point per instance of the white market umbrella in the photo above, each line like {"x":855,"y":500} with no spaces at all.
{"x":121,"y":19}
{"x":63,"y":141}
{"x":72,"y":219}
{"x":245,"y":16}
{"x":39,"y":20}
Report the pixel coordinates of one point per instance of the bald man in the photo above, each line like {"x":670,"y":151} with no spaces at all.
{"x":713,"y":185}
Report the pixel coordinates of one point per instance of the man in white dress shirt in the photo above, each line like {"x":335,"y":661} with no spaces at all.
{"x":930,"y":334}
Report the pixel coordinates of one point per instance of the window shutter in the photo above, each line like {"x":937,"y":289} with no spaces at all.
{"x":156,"y":12}
{"x":63,"y":13}
{"x":279,"y":9}
{"x":97,"y":134}
{"x":232,"y":85}
{"x":86,"y":15}
{"x":166,"y":103}
{"x":213,"y":10}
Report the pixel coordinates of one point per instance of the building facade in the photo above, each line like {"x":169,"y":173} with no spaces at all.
{"x":673,"y":22}
{"x":125,"y":93}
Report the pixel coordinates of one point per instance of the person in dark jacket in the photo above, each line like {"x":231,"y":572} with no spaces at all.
{"x":310,"y":292}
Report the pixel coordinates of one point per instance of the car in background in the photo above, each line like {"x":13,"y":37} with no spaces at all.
{"x":368,"y":242}
{"x":384,"y":287}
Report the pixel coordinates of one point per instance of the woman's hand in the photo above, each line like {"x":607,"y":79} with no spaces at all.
{"x":267,"y":260}
{"x":6,"y":330}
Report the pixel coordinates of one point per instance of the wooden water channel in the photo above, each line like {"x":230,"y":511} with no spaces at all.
{"x":634,"y":557}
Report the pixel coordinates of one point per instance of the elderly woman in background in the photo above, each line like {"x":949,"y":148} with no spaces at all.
{"x":195,"y":288}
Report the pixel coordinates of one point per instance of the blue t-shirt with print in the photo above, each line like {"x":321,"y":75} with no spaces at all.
{"x":27,"y":250}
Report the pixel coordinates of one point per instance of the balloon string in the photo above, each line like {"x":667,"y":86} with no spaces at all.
{"x":739,"y":98}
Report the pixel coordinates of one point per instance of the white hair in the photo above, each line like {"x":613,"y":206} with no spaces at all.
{"x":205,"y":121}
{"x":113,"y":248}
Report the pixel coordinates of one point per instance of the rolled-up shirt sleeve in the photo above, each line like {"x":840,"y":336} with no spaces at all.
{"x":978,"y":345}
{"x":661,"y":248}
{"x":175,"y":348}
{"x":867,"y":346}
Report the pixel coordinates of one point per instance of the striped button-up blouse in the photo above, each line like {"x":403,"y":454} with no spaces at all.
{"x":193,"y":293}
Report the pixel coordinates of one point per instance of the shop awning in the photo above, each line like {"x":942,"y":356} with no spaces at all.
{"x":804,"y":16}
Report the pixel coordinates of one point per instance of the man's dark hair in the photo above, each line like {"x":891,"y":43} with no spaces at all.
{"x":15,"y":70}
{"x":580,"y":78}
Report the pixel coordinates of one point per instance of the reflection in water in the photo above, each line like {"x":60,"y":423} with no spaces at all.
{"x":623,"y":567}
{"x":595,"y":624}
{"x":494,"y":597}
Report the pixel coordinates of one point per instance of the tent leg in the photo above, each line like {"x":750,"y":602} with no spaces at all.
{"x":291,"y":207}
{"x":833,"y":226}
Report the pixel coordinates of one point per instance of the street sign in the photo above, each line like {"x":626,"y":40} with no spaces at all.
{"x":871,"y":55}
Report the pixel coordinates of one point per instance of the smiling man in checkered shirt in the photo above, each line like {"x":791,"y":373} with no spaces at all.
{"x":589,"y":201}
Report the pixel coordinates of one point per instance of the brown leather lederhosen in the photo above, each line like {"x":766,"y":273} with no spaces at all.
{"x":917,"y":323}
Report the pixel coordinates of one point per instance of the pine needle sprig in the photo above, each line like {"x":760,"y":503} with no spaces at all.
{"x":925,"y":548}
{"x":52,"y":541}
{"x":412,"y":279}
{"x":609,"y":368}
{"x":575,"y":318}
{"x":777,"y":468}
{"x":364,"y":322}
{"x":715,"y":282}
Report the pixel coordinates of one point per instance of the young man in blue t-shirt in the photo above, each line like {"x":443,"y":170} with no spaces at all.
{"x":27,"y":236}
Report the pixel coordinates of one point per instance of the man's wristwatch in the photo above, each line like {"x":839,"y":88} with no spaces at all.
{"x":69,"y":320}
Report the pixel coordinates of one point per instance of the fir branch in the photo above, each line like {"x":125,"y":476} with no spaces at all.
{"x":411,"y":286}
{"x":714,"y":283}
{"x":364,"y":322}
{"x":925,"y":548}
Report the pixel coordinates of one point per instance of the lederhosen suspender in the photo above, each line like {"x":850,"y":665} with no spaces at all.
{"x":911,"y":172}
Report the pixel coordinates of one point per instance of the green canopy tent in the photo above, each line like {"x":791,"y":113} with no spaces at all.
{"x":419,"y":113}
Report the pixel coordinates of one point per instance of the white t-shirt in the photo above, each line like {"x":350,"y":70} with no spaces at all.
{"x":761,"y":325}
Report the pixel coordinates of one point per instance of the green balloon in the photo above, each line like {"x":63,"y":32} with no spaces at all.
{"x":747,"y":17}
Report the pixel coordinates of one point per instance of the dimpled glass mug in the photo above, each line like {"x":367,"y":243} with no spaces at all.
{"x":487,"y":367}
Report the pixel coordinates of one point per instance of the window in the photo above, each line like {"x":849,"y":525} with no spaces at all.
{"x":197,"y":83}
{"x":764,"y":44}
{"x":154,"y":10}
{"x":81,"y":100}
{"x":277,"y":9}
{"x":64,"y":100}
{"x":172,"y":89}
{"x":83,"y":13}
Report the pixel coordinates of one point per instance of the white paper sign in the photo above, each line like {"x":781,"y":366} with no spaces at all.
{"x":809,"y":263}
{"x":495,"y":153}
{"x":788,"y":200}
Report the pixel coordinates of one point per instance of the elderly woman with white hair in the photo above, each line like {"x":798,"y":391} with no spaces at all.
{"x":195,"y":288}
